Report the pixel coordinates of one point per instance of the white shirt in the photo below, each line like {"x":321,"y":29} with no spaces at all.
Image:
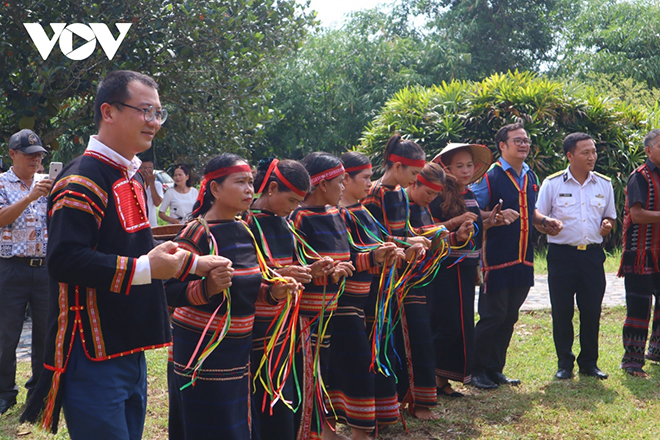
{"x":181,"y":205}
{"x":581,"y":208}
{"x":153,"y":211}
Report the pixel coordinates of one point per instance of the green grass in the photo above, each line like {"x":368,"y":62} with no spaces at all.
{"x":621,"y":407}
{"x":541,"y":264}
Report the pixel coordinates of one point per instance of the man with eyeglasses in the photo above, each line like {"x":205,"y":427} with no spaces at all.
{"x":110,"y":305}
{"x":23,"y":273}
{"x":508,"y":253}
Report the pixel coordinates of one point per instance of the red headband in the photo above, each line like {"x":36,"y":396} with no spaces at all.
{"x":245,"y":168}
{"x":274,"y":168}
{"x":328,"y":174}
{"x":405,"y":161}
{"x":358,"y":168}
{"x":433,"y":186}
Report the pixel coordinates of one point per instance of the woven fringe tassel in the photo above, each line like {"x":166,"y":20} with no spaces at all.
{"x":48,"y":416}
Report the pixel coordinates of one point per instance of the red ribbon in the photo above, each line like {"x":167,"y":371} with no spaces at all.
{"x":433,"y":186}
{"x":358,"y":168}
{"x":274,"y":168}
{"x":405,"y":161}
{"x":328,"y":174}
{"x":221,"y":172}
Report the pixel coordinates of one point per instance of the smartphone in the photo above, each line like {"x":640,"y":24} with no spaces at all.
{"x":54,"y":170}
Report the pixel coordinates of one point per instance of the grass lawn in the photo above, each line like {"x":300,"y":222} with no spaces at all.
{"x":621,"y":407}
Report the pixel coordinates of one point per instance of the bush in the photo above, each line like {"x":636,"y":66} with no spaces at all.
{"x":462,"y":111}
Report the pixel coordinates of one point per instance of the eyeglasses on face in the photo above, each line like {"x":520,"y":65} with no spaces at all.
{"x":522,"y":141}
{"x":149,"y":113}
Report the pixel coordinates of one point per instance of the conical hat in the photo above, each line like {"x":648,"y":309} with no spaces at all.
{"x":481,"y":156}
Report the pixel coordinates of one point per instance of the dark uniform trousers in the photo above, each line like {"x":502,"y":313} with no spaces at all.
{"x":576,"y":275}
{"x":498,"y":314}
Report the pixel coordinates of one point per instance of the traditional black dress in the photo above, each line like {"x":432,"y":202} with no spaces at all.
{"x":417,"y":379}
{"x":276,"y":242}
{"x":352,"y":381}
{"x":218,"y":406}
{"x":389,"y":206}
{"x":451,"y":301}
{"x":324,"y":230}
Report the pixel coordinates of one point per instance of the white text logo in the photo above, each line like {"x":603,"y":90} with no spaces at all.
{"x":90,"y":33}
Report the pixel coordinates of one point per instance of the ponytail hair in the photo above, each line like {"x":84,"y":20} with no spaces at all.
{"x":355,"y":163}
{"x":322,"y":166}
{"x":205,"y":198}
{"x":289,"y":175}
{"x":407,"y":152}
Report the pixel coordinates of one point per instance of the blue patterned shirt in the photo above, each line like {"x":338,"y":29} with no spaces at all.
{"x":27,"y":235}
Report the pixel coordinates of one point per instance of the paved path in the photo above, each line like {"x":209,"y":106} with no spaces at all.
{"x":538,"y":299}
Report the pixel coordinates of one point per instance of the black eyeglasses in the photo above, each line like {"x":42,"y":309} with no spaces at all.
{"x":522,"y":141}
{"x":149,"y":113}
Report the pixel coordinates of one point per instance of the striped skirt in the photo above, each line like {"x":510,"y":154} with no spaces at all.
{"x":451,"y":301}
{"x":416,"y":384}
{"x":276,"y":423}
{"x":218,"y":406}
{"x":350,"y":383}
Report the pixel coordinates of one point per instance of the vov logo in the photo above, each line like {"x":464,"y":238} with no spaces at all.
{"x":64,"y":33}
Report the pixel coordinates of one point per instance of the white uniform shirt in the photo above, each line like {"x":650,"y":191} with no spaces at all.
{"x":581,"y":208}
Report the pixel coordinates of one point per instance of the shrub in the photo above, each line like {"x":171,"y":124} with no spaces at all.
{"x":462,"y":111}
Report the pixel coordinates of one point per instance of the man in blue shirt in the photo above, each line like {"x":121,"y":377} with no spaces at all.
{"x":508,"y":252}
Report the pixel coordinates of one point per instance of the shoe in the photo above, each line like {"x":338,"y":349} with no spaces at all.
{"x":636,"y":372}
{"x":501,"y":379}
{"x":482,"y":381}
{"x":442,"y":391}
{"x":6,"y":404}
{"x":593,"y":372}
{"x":564,"y":373}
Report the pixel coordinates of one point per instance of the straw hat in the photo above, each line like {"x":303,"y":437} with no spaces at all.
{"x":481,"y":155}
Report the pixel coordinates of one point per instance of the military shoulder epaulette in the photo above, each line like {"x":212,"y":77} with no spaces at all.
{"x":609,"y":179}
{"x":557,"y":174}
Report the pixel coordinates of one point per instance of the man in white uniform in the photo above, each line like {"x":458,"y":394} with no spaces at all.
{"x":584,"y":201}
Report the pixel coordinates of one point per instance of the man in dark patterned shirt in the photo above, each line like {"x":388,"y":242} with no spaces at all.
{"x":23,"y":274}
{"x":640,"y":259}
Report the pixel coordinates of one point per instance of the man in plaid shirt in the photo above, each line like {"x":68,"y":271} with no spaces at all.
{"x":23,"y":274}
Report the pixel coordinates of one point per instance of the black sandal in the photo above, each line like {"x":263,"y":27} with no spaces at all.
{"x":454,"y":394}
{"x":633,"y":370}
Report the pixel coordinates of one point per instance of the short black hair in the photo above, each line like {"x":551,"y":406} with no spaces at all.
{"x":114,"y":87}
{"x":571,"y":141}
{"x":503,"y":133}
{"x":147,"y":157}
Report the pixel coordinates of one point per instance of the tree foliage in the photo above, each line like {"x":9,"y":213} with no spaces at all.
{"x":332,"y":87}
{"x":462,"y":111}
{"x":499,"y":35}
{"x":210,"y":58}
{"x":613,"y":37}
